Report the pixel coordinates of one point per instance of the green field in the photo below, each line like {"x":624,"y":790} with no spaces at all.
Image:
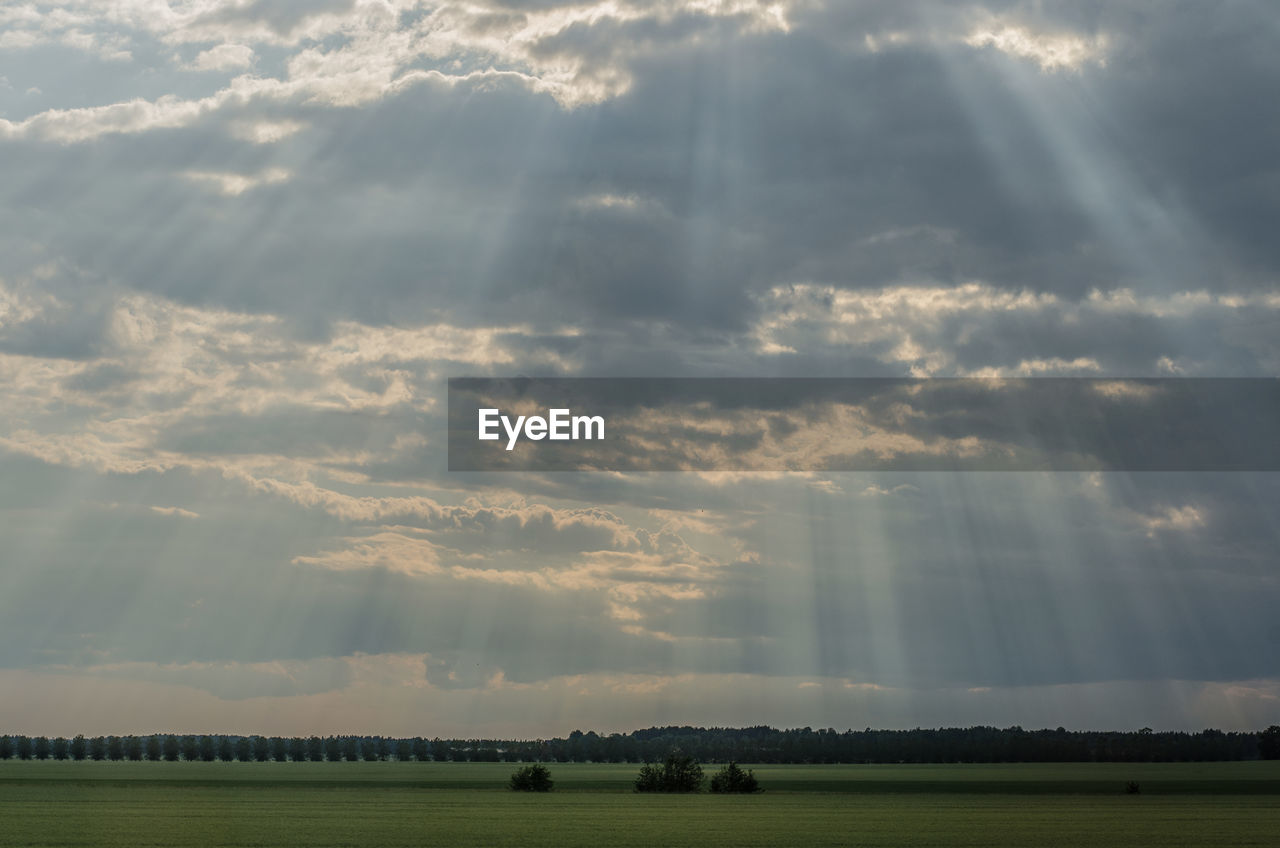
{"x":448,"y":804}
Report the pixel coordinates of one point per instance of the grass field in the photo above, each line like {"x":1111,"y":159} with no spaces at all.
{"x":448,"y":804}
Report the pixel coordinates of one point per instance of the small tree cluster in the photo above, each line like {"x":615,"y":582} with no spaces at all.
{"x":677,"y":773}
{"x":532,"y":778}
{"x":732,"y":779}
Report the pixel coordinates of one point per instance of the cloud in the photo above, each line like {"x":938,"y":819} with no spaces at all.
{"x":224,"y":57}
{"x":1052,"y":52}
{"x":233,"y":185}
{"x":1174,"y":518}
{"x":348,"y":54}
{"x":133,"y":116}
{"x":159,"y":385}
{"x":175,"y":511}
{"x":943,"y":330}
{"x":265,"y":131}
{"x":1023,"y":31}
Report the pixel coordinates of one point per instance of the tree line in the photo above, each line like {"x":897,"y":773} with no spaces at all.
{"x":709,"y":745}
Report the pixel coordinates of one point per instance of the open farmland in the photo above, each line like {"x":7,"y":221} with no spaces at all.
{"x":404,"y":804}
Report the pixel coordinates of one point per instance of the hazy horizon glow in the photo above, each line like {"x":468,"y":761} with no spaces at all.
{"x":243,"y":245}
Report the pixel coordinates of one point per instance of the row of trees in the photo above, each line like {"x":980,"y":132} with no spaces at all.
{"x":708,"y":745}
{"x":172,"y":748}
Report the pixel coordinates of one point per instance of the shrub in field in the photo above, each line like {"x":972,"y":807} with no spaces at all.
{"x":1132,"y":788}
{"x":731,"y":778}
{"x":532,"y":778}
{"x":677,"y":773}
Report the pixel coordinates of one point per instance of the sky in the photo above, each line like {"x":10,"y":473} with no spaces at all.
{"x":243,"y":245}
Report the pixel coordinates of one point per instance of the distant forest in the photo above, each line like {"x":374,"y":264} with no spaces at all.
{"x":708,"y":745}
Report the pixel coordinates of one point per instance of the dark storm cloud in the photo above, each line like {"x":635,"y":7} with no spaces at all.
{"x":754,"y":160}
